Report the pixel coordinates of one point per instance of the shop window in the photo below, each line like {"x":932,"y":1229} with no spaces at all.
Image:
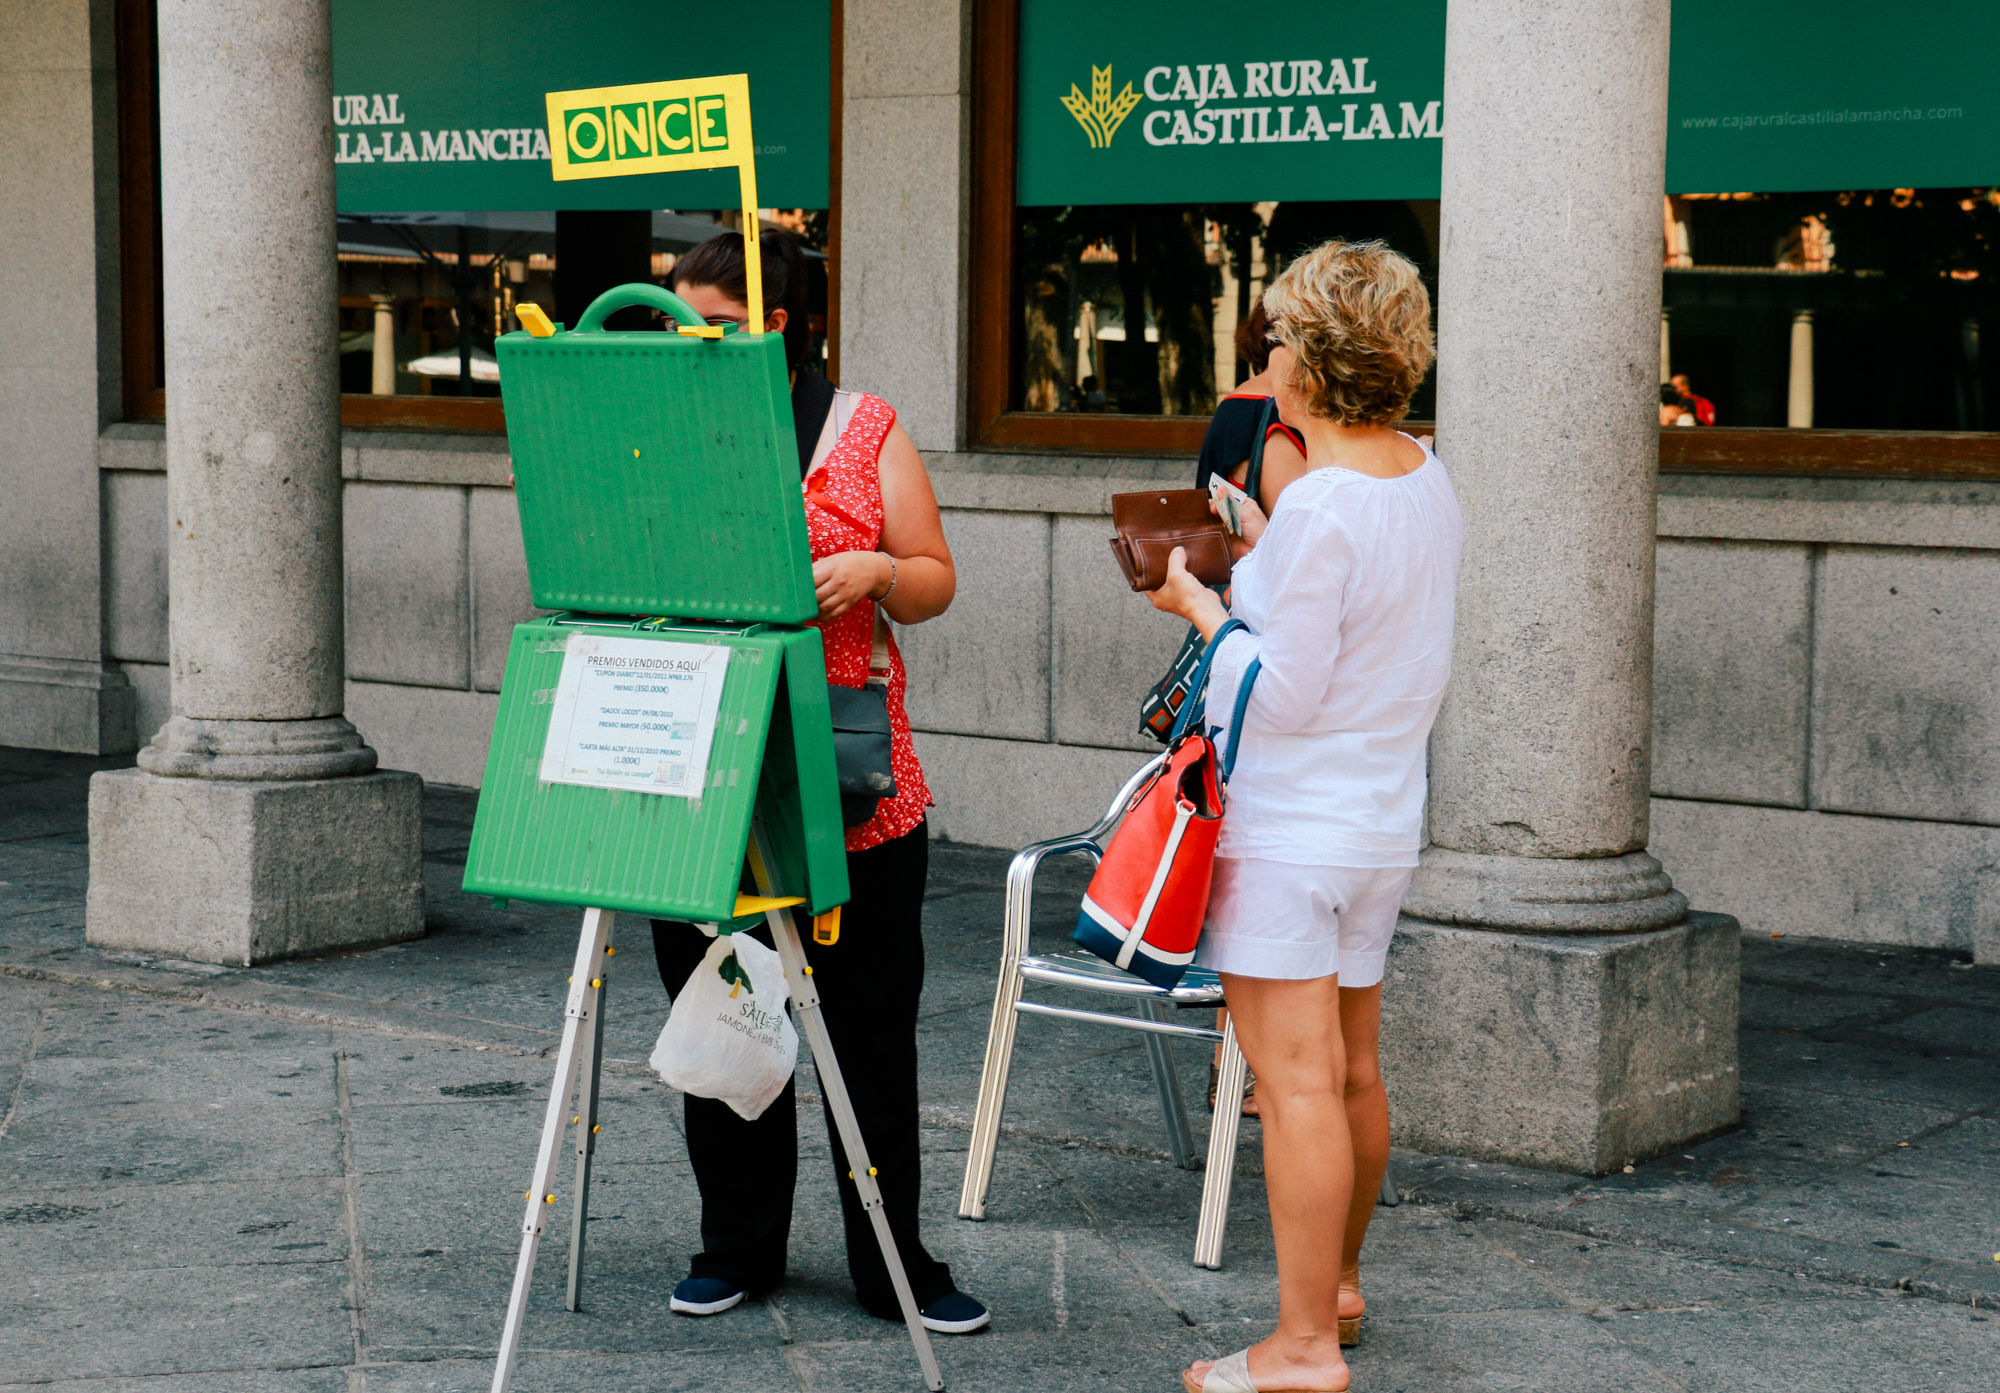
{"x":1843,"y":310}
{"x":422,"y":296}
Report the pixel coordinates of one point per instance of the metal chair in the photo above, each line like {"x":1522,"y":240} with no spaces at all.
{"x":1085,"y":972}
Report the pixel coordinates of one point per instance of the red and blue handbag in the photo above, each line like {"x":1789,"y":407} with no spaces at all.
{"x":1146,"y":903}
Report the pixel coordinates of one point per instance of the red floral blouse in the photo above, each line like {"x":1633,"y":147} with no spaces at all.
{"x":844,"y":513}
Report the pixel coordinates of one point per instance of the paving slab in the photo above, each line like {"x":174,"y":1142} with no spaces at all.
{"x":147,"y":1227}
{"x":1919,"y":1346}
{"x":319,"y":1380}
{"x":172,"y":1320}
{"x":59,"y":1149}
{"x":542,"y":1371}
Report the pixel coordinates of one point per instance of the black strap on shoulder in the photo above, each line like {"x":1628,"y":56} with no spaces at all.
{"x":1253,"y":479}
{"x":812,"y":402}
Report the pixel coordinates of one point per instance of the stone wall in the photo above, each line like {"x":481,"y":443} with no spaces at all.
{"x":1827,"y":723}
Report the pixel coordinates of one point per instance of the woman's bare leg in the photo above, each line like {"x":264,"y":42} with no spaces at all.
{"x":1367,"y":1129}
{"x":1290,"y":1032}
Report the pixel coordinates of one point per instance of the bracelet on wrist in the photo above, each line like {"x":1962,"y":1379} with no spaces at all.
{"x":892,"y":577}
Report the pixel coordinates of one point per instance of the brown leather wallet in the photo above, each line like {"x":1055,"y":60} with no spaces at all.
{"x":1151,"y":525}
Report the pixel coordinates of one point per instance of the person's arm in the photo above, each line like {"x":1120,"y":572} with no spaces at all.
{"x":912,"y":533}
{"x":1307,"y":561}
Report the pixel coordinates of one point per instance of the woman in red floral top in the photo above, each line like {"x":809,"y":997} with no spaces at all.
{"x":878,"y":551}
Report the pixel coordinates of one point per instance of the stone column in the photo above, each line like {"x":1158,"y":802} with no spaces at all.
{"x":904,"y":185}
{"x":255,"y":826}
{"x":1551,"y":1000}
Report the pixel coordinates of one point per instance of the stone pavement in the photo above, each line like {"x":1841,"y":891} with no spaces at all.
{"x":307,"y":1177}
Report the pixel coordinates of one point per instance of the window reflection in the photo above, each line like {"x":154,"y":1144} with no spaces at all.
{"x":423,"y":296}
{"x":1857,"y":309}
{"x":1133,"y":309}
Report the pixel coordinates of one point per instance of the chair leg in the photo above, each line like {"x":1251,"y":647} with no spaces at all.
{"x":992,"y":1094}
{"x":1221,"y":1153}
{"x":1167,"y":1083}
{"x":1000,"y":1031}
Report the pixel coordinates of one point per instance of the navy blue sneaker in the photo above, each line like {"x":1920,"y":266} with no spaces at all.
{"x":705,"y":1296}
{"x":955,"y":1314}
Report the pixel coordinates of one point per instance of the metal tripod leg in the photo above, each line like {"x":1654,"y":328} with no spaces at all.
{"x":805,"y":1004}
{"x":585,"y":1122}
{"x":586,"y":984}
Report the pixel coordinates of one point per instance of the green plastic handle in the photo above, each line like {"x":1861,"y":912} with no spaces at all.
{"x":636,"y":293}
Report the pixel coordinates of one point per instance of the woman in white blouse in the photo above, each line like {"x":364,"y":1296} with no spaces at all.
{"x":1348,"y":595}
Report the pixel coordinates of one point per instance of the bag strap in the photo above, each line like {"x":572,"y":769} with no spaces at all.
{"x":879,"y":670}
{"x":1253,"y":478}
{"x":1236,"y":717}
{"x":840,"y":410}
{"x":1197,"y":697}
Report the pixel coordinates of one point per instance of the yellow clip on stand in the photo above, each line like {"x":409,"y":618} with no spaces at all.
{"x":534,"y":321}
{"x":657,"y":128}
{"x":826,"y":928}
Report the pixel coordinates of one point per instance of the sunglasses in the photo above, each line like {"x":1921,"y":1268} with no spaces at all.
{"x":712,"y":323}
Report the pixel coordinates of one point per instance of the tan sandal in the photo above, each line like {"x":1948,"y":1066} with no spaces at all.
{"x":1229,"y":1374}
{"x":1350,"y":1326}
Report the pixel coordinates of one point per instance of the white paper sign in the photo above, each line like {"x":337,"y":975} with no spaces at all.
{"x":634,"y":713}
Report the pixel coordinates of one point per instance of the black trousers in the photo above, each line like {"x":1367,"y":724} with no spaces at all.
{"x":869,"y":983}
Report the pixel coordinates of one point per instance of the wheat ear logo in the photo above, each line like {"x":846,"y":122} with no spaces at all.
{"x":1102,"y":114}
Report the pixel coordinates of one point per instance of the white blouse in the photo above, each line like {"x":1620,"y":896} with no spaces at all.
{"x":1349,"y":600}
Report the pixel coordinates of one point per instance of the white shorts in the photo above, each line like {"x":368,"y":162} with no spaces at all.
{"x":1275,"y":919}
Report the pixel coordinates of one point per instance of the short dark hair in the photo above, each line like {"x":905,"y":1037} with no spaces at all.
{"x":719,"y":262}
{"x":1670,"y":395}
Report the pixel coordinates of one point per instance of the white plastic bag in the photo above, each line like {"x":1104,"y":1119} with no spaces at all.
{"x":729,"y":1036}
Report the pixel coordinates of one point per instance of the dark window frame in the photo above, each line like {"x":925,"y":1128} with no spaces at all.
{"x":1963,"y":456}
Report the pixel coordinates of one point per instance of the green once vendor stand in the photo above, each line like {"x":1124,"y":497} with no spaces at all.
{"x":657,"y":480}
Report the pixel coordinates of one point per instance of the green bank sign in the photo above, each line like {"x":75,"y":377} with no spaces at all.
{"x":1138,"y":101}
{"x":439,"y":103}
{"x":1151,"y":101}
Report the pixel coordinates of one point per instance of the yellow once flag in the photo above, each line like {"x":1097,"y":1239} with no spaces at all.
{"x":663,"y":128}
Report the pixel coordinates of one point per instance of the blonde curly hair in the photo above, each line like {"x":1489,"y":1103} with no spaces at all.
{"x":1358,"y":321}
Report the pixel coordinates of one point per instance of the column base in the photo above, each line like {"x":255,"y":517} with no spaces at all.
{"x":1543,"y":894}
{"x":1569,"y":1053}
{"x":322,"y":747}
{"x":66,"y":704}
{"x":243,"y":873}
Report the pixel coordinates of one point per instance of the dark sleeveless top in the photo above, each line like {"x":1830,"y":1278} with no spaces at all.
{"x":1231,"y":433}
